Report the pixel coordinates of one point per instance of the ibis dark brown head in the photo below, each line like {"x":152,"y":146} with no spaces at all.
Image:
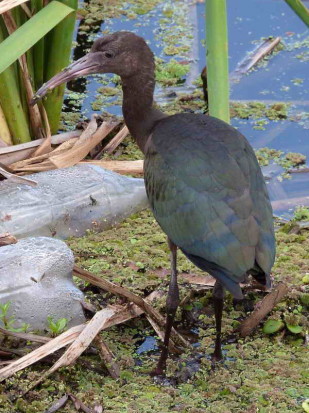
{"x":122,"y":53}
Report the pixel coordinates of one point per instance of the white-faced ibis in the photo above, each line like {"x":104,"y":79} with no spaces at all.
{"x":203,"y":181}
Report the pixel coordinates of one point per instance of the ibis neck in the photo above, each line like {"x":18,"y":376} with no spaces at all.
{"x":139,"y":113}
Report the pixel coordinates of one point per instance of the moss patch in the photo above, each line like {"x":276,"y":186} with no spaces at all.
{"x":264,"y":373}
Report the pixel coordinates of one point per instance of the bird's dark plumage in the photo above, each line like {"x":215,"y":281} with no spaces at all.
{"x":207,"y":193}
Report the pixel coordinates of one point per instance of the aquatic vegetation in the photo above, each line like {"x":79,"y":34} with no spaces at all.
{"x":301,"y":213}
{"x":170,"y":73}
{"x":265,"y":372}
{"x":287,"y":161}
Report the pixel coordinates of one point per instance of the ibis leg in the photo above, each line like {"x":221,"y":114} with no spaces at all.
{"x":218,"y":297}
{"x":172,"y":303}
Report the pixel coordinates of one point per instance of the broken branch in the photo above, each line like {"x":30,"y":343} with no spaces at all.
{"x":262,"y":309}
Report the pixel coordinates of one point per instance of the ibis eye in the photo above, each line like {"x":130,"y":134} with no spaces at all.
{"x":109,"y":54}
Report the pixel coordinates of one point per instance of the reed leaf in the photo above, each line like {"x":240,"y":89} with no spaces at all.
{"x":31,"y":31}
{"x":217,"y":59}
{"x":34,"y":113}
{"x":38,"y":51}
{"x":59,"y":44}
{"x":300,"y":9}
{"x":11,"y":103}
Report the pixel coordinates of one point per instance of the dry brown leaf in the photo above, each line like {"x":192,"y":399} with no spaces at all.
{"x":121,"y":167}
{"x":120,"y":315}
{"x":78,"y":152}
{"x":117,"y":139}
{"x":206,"y":280}
{"x":61,"y":341}
{"x":16,"y":153}
{"x":6,"y":5}
{"x":17,"y":179}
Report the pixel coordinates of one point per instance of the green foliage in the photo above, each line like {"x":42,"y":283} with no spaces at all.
{"x":272,"y":326}
{"x":45,"y":41}
{"x":294,"y":329}
{"x":170,"y":73}
{"x":301,"y":213}
{"x":9,"y":321}
{"x":57,"y":327}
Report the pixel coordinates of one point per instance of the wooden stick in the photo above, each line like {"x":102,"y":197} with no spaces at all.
{"x":262,"y":309}
{"x":120,"y":315}
{"x":17,"y":179}
{"x":16,"y":153}
{"x":117,"y":139}
{"x":26,"y":336}
{"x":253,"y":58}
{"x":107,"y":357}
{"x":139,"y":301}
{"x":41,"y":352}
{"x":121,"y":167}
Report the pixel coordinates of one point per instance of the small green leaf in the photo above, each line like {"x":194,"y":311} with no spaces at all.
{"x":62,"y":323}
{"x":272,"y":326}
{"x":294,"y":329}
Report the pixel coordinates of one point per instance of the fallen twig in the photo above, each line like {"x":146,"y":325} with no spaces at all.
{"x":41,"y":352}
{"x":79,"y":405}
{"x":119,"y":315}
{"x":58,"y":404}
{"x":253,"y":58}
{"x":117,"y":139}
{"x":107,"y":357}
{"x":26,"y":336}
{"x":262,"y":309}
{"x":121,"y":167}
{"x":18,"y":179}
{"x":139,"y":301}
{"x":16,"y":153}
{"x":298,"y":171}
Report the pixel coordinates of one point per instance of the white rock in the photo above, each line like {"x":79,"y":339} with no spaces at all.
{"x":36,"y":278}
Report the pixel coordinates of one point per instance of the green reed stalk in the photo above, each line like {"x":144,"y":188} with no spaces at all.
{"x":59,"y":44}
{"x":217,"y":59}
{"x":10,"y":101}
{"x":300,"y":9}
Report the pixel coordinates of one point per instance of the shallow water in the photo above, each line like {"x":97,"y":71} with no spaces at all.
{"x":282,"y":78}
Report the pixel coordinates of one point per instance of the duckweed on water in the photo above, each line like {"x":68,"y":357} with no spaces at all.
{"x":260,"y":374}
